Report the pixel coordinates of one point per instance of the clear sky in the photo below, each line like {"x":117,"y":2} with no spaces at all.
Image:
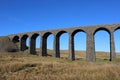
{"x":18,"y":16}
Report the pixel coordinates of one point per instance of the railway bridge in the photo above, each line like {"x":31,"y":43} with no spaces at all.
{"x":90,"y":31}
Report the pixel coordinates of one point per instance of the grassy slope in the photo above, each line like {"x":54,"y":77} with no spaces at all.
{"x":21,"y":66}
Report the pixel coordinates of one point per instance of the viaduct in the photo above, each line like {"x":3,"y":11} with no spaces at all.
{"x":90,"y":31}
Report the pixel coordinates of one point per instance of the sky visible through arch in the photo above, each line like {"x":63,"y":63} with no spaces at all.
{"x":18,"y":16}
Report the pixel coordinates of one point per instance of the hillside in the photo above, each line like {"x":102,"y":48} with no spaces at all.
{"x":82,"y":54}
{"x":22,"y":66}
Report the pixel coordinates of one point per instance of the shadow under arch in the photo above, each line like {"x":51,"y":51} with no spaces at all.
{"x":104,"y":55}
{"x":33,"y":43}
{"x":60,"y":52}
{"x":23,"y":44}
{"x":81,"y":53}
{"x":16,"y":39}
{"x":44,"y":44}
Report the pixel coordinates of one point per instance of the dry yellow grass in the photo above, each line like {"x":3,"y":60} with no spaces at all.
{"x":21,"y":66}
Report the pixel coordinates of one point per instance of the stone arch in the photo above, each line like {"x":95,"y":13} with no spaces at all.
{"x":60,"y":33}
{"x":57,"y":38}
{"x":15,"y":39}
{"x":23,"y":42}
{"x":109,"y":33}
{"x":33,"y":43}
{"x":45,"y":35}
{"x":101,"y":28}
{"x":74,"y":33}
{"x":117,"y":28}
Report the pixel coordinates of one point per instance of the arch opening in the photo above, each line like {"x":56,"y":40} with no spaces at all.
{"x":25,"y":42}
{"x":48,"y":44}
{"x":63,"y":44}
{"x":102,"y":44}
{"x":50,"y":41}
{"x":16,"y":41}
{"x":35,"y":44}
{"x":117,"y":42}
{"x":80,"y":44}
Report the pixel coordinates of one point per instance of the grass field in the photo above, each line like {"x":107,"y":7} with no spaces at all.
{"x":22,"y":66}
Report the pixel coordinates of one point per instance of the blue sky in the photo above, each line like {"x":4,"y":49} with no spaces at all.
{"x":18,"y":16}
